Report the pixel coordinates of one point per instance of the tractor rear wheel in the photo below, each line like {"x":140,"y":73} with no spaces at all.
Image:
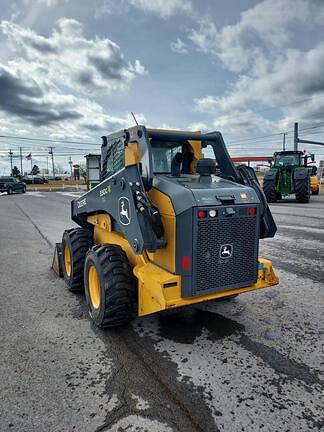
{"x":315,"y":192}
{"x":109,"y":286}
{"x":302,"y":190}
{"x":269,"y":189}
{"x":75,"y":244}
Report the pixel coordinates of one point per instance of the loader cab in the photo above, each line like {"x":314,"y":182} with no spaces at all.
{"x":180,"y":158}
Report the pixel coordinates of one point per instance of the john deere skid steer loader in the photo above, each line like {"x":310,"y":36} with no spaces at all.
{"x":161,"y":231}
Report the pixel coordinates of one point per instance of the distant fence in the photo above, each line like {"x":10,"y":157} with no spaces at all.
{"x":53,"y":186}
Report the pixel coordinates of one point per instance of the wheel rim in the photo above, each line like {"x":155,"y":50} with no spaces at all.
{"x":67,"y":260}
{"x":94,"y":286}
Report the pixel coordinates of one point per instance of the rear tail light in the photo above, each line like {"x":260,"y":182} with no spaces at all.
{"x":202,"y":214}
{"x":252,"y":211}
{"x":186,"y":263}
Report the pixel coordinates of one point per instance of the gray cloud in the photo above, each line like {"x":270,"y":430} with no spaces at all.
{"x":109,"y":67}
{"x":43,"y":46}
{"x":26,"y":100}
{"x":271,"y":70}
{"x":163,"y":8}
{"x":97,"y":64}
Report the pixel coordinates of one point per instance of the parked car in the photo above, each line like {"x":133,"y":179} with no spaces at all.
{"x":12,"y":185}
{"x":35,"y":180}
{"x":55,"y":178}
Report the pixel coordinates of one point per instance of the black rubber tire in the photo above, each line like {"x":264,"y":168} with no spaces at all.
{"x":302,"y":190}
{"x":9,"y":191}
{"x":117,"y":286}
{"x":315,"y":192}
{"x":24,"y":189}
{"x":278,"y":196}
{"x":269,"y":189}
{"x":79,"y":241}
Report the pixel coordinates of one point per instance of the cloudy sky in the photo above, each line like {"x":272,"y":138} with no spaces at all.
{"x":73,"y":70}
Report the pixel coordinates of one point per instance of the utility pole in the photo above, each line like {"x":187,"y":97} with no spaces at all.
{"x":47,"y":170}
{"x":295,"y":136}
{"x":51,"y":153}
{"x":21,"y":167}
{"x":284,"y":141}
{"x":10,"y":155}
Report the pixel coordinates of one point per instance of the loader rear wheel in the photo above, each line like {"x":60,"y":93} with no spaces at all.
{"x":75,"y":244}
{"x":109,"y":286}
{"x":269,"y":189}
{"x":302,"y":190}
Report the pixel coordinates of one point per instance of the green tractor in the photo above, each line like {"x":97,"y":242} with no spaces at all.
{"x":288,"y":175}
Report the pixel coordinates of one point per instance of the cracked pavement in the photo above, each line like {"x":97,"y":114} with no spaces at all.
{"x":251,"y":364}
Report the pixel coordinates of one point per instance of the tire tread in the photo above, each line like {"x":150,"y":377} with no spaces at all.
{"x":119,"y":285}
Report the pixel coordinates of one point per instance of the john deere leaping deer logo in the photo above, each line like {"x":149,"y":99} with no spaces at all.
{"x":124,"y":211}
{"x":226,"y":251}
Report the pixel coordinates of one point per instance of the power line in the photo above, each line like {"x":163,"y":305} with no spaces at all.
{"x":243,"y":140}
{"x":313,"y":133}
{"x":262,"y":137}
{"x":255,"y":109}
{"x":46,"y":140}
{"x":318,"y":125}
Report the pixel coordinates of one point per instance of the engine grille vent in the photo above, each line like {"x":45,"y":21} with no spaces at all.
{"x":240,"y":236}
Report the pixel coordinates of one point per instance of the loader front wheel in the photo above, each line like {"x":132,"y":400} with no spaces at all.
{"x":109,"y":286}
{"x":75,"y":244}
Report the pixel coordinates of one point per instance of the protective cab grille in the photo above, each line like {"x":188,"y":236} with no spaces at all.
{"x":236,"y":236}
{"x":112,"y":158}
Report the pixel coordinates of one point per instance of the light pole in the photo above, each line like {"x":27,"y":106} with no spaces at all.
{"x":10,"y":155}
{"x":51,"y":153}
{"x":70,"y":163}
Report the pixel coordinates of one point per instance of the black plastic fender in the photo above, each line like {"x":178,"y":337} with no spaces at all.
{"x":271,"y":175}
{"x":301,"y":174}
{"x":268,"y":226}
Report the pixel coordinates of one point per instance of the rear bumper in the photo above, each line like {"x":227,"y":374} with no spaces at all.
{"x":160,"y":290}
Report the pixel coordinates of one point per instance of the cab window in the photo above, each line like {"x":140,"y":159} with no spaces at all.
{"x":283,"y":160}
{"x":164,"y":152}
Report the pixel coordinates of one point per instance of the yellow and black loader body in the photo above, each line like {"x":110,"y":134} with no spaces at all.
{"x":188,"y":235}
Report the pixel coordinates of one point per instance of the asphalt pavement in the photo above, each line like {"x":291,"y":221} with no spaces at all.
{"x":251,"y":364}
